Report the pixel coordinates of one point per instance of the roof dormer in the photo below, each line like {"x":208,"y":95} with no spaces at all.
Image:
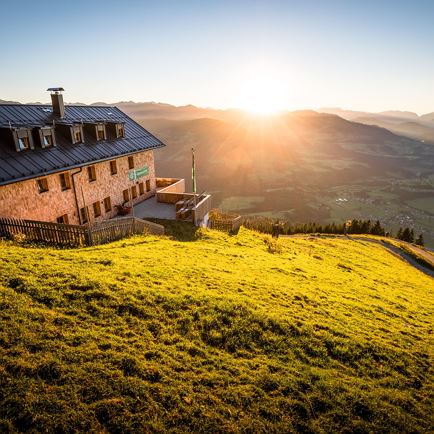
{"x":47,"y":137}
{"x":22,"y":138}
{"x":120,"y":130}
{"x":100,"y":131}
{"x":116,"y":129}
{"x":77,"y":133}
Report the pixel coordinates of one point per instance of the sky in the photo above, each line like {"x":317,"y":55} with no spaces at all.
{"x":369,"y":55}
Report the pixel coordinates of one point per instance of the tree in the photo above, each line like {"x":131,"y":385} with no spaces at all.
{"x":411,"y":236}
{"x":405,"y":235}
{"x":399,"y":234}
{"x":419,"y":241}
{"x":377,"y":229}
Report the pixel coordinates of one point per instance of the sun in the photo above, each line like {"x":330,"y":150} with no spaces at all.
{"x":263,"y":94}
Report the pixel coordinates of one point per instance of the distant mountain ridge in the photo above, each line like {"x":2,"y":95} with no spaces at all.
{"x":404,"y":123}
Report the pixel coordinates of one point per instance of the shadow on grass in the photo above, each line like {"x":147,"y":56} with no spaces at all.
{"x":180,"y":231}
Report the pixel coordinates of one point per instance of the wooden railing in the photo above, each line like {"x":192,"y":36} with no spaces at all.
{"x":56,"y":233}
{"x":74,"y":235}
{"x":230,"y":223}
{"x":115,"y":229}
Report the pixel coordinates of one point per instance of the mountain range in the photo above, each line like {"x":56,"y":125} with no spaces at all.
{"x":326,"y":165}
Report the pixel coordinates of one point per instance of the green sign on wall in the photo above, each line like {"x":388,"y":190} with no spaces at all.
{"x":135,"y":174}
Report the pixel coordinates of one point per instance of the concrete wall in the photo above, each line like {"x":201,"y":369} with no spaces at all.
{"x":23,"y":200}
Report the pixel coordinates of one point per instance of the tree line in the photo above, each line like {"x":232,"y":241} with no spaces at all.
{"x":265,"y":225}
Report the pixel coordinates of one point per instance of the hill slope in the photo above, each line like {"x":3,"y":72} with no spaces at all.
{"x":217,"y":334}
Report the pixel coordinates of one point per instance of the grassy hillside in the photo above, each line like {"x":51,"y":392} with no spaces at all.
{"x":214,"y":334}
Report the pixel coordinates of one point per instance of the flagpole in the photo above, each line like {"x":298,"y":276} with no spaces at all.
{"x":193,"y":174}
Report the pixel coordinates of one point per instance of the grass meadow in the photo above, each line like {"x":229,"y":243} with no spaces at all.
{"x":204,"y":332}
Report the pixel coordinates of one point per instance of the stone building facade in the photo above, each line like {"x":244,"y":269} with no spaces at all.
{"x":66,"y":202}
{"x":72,"y":164}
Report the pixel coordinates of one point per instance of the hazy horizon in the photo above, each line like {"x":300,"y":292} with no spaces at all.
{"x":325,"y":107}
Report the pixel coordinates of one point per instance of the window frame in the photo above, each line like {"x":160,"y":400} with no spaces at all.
{"x":113,"y":164}
{"x":66,"y":183}
{"x":64,"y":218}
{"x":91,"y":173}
{"x":84,"y":214}
{"x":47,"y":137}
{"x":131,"y":162}
{"x":133,"y":192}
{"x":24,"y":143}
{"x":107,"y":200}
{"x":141,"y":189}
{"x":23,"y":139}
{"x":126,"y":195}
{"x":42,"y":185}
{"x":74,"y":130}
{"x":120,"y":130}
{"x":97,"y":209}
{"x":98,"y":129}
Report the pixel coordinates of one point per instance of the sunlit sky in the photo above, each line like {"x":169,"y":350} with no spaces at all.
{"x":362,"y":55}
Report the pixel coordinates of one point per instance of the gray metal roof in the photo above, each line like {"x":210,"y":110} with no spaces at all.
{"x":17,"y":166}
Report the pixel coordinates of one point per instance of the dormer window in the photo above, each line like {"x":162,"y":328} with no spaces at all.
{"x":120,"y":130}
{"x":23,"y":143}
{"x":23,"y":139}
{"x":46,"y":136}
{"x":77,"y":134}
{"x":48,"y":141}
{"x":77,"y":137}
{"x":100,"y":132}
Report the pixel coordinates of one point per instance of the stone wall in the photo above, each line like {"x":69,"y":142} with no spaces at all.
{"x":23,"y":200}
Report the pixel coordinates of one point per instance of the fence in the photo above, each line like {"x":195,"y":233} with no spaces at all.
{"x":44,"y":231}
{"x":115,"y":229}
{"x":74,"y":235}
{"x":224,"y":222}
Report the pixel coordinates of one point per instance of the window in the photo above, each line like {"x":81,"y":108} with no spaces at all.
{"x":148,"y":185}
{"x":77,"y":134}
{"x":23,"y":143}
{"x":100,"y":132}
{"x":141,"y":189}
{"x":46,"y":136}
{"x":113,"y":167}
{"x":133,"y":191}
{"x":65,"y":181}
{"x":42,"y":185}
{"x":131,"y":162}
{"x":126,"y":195}
{"x":84,"y":212}
{"x":91,"y":173}
{"x":120,"y":131}
{"x":96,"y":209}
{"x":63,"y":219}
{"x":47,"y":140}
{"x":23,"y":139}
{"x":107,"y":204}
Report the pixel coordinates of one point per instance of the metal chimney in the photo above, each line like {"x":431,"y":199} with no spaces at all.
{"x":57,"y":101}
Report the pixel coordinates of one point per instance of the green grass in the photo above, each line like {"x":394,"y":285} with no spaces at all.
{"x":209,"y":333}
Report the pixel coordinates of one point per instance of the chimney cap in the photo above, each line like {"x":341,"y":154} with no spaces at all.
{"x":55,"y":89}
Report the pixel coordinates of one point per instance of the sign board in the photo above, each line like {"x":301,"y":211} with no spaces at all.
{"x":135,"y":174}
